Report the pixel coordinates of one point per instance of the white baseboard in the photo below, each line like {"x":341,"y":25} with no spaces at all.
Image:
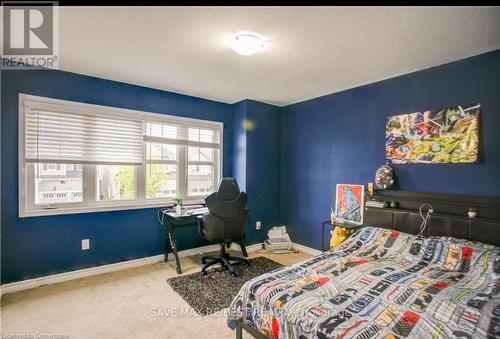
{"x":87,"y":272}
{"x":305,"y":249}
{"x":250,"y":248}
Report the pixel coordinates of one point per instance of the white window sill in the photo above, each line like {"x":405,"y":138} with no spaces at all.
{"x":105,"y":207}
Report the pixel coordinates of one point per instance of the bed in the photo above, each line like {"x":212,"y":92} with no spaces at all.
{"x":382,"y":283}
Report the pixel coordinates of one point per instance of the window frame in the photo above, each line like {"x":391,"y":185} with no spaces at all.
{"x":90,"y":203}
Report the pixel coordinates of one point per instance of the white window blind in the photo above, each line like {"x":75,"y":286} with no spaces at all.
{"x":57,"y":135}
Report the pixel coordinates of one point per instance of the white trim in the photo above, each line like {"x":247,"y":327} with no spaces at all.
{"x":305,"y":249}
{"x":22,"y":187}
{"x":170,"y":141}
{"x":88,"y":272}
{"x":250,"y":248}
{"x":214,"y":247}
{"x":111,"y":206}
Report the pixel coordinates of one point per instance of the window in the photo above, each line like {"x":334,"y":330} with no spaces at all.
{"x":161,"y":180}
{"x":77,"y":157}
{"x":115,"y":182}
{"x":180,"y":158}
{"x":55,"y":183}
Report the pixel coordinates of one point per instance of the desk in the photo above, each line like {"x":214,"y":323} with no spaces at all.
{"x":187,"y":216}
{"x":350,"y":227}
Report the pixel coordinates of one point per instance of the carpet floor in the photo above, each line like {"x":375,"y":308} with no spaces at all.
{"x":217,"y":289}
{"x":132,"y":303}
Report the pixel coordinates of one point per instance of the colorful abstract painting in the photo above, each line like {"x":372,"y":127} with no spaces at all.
{"x":449,"y":135}
{"x":349,"y":203}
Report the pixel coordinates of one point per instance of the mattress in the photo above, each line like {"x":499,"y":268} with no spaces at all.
{"x":379,"y":284}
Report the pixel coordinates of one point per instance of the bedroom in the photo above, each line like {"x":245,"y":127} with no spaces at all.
{"x":141,"y":108}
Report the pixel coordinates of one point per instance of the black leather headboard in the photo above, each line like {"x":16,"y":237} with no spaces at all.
{"x":448,"y":219}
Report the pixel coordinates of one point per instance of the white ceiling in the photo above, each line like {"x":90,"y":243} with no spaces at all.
{"x":312,"y":51}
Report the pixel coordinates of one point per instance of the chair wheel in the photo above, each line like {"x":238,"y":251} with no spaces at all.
{"x":203,"y":274}
{"x":233,"y":274}
{"x":247,"y":264}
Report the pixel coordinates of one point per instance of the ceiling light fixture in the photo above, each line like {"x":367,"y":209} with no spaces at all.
{"x":246,"y":44}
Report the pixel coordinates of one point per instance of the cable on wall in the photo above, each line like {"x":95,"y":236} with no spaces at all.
{"x":425,"y":218}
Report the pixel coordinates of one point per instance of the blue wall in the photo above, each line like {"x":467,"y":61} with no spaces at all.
{"x":38,"y":246}
{"x":288,"y":163}
{"x":257,"y":161}
{"x":240,"y":144}
{"x":339,"y":138}
{"x":262,"y":167}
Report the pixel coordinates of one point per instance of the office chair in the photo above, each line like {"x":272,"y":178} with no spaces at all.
{"x":224,"y":223}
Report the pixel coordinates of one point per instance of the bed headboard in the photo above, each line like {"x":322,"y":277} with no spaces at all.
{"x":448,"y":219}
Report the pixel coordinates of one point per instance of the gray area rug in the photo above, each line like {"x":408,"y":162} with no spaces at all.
{"x":217,"y":289}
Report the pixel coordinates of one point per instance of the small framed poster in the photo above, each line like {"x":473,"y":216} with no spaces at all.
{"x":349,"y":203}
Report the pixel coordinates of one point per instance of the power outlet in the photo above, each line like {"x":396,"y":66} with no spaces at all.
{"x":85,"y":244}
{"x":258,"y":225}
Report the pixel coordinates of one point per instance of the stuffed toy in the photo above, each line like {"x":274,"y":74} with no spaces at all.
{"x":339,"y":234}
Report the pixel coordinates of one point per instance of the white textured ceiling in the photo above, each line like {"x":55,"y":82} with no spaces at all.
{"x":312,"y":50}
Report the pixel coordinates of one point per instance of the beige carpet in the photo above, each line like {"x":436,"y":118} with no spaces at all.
{"x":133,"y":303}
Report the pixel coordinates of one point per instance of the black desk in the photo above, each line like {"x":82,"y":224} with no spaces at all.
{"x":168,"y":219}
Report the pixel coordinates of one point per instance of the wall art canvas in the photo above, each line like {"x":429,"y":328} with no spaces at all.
{"x":349,"y":203}
{"x":449,"y":135}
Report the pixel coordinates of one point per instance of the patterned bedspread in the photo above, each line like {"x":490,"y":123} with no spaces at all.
{"x":379,"y":284}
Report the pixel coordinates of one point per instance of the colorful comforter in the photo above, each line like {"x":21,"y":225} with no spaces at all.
{"x":379,"y":284}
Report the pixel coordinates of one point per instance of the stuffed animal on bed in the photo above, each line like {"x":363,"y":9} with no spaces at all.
{"x":339,"y":234}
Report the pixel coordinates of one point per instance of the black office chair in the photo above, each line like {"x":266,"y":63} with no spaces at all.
{"x":224,"y":223}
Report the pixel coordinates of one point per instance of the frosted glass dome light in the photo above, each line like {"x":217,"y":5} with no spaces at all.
{"x":246,"y":44}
